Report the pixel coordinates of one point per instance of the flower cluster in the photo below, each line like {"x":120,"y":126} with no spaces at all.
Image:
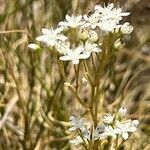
{"x":111,"y":126}
{"x":78,"y":36}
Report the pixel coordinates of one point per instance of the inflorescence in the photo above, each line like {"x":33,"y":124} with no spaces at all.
{"x":111,"y":126}
{"x":75,"y":39}
{"x":78,"y":36}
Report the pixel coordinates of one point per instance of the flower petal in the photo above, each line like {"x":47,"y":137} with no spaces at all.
{"x":64,"y":58}
{"x":75,"y":61}
{"x":46,"y":31}
{"x":125,"y":135}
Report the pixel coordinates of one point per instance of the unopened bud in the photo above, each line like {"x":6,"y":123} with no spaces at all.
{"x":65,"y":29}
{"x":118,"y":44}
{"x":34,"y":46}
{"x":83,"y":34}
{"x":126,"y":28}
{"x":122,"y":111}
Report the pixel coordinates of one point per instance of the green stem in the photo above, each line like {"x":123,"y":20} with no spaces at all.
{"x":87,"y":72}
{"x":76,"y":69}
{"x":77,"y":97}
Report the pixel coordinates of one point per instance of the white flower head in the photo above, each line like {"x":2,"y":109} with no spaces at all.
{"x":50,"y":36}
{"x":126,"y":28}
{"x":123,"y":128}
{"x":91,"y":20}
{"x":122,"y":111}
{"x":99,"y":132}
{"x":108,"y":118}
{"x":74,"y":55}
{"x":109,"y":131}
{"x":109,"y":17}
{"x":86,"y":134}
{"x":76,"y":124}
{"x":107,"y":25}
{"x":72,"y":21}
{"x":103,"y":131}
{"x":111,"y":12}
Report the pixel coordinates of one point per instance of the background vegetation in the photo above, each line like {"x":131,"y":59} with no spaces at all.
{"x":35,"y":105}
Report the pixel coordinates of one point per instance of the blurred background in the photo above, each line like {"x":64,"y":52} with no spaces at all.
{"x":34,"y":105}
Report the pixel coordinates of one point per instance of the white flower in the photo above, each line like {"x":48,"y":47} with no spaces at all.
{"x":99,"y":132}
{"x":77,"y":140}
{"x":90,"y":47}
{"x":109,"y":131}
{"x":107,"y":25}
{"x":108,"y":118}
{"x":91,"y":20}
{"x":126,"y":28}
{"x":34,"y":46}
{"x":76,"y":124}
{"x":72,"y":21}
{"x":123,"y":128}
{"x":93,"y":36}
{"x":111,"y":12}
{"x":50,"y":36}
{"x":103,"y":131}
{"x":109,"y":17}
{"x":122,"y":111}
{"x":62,"y":46}
{"x":85,"y":135}
{"x":74,"y":55}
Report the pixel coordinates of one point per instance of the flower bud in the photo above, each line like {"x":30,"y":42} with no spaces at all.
{"x":122,"y":111}
{"x":65,"y":29}
{"x":135,"y":123}
{"x":34,"y":46}
{"x":126,"y":28}
{"x":83,"y":34}
{"x":118,"y":44}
